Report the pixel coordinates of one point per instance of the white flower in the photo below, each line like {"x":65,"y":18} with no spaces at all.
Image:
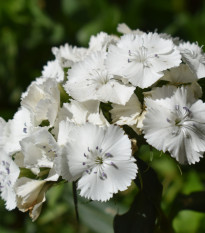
{"x":9,"y":173}
{"x":43,"y":100}
{"x":142,"y":58}
{"x":176,"y":124}
{"x":90,"y":80}
{"x":101,"y":159}
{"x":193,"y":55}
{"x":84,"y":112}
{"x":53,"y":70}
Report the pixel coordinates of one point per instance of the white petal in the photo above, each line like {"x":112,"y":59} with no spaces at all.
{"x":53,"y":70}
{"x":9,"y":173}
{"x":43,"y":100}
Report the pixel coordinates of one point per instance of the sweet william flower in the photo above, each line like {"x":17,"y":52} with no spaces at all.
{"x":176,"y":124}
{"x":141,"y":59}
{"x":100,"y":159}
{"x":90,"y":80}
{"x":194,"y":57}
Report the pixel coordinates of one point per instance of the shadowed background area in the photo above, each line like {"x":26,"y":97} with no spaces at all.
{"x":28,"y":31}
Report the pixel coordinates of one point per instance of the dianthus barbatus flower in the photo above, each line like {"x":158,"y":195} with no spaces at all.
{"x":176,"y":124}
{"x":194,"y":56}
{"x":101,"y":158}
{"x":90,"y":80}
{"x":142,"y":58}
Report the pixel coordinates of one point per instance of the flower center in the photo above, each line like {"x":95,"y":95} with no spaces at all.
{"x":139,"y":56}
{"x":99,"y":160}
{"x":182,"y":121}
{"x":96,"y":160}
{"x":100,"y":77}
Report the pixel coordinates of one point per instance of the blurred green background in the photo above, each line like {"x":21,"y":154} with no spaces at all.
{"x":28,"y":30}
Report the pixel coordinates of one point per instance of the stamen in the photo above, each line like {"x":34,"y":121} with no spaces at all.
{"x":114,"y":165}
{"x":108,"y":155}
{"x":89,"y":171}
{"x":8,"y":170}
{"x":25,"y":130}
{"x":168,"y":120}
{"x":187,"y":111}
{"x":103,"y":176}
{"x":84,"y":163}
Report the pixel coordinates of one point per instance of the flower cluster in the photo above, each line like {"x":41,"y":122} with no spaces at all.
{"x":70,"y":125}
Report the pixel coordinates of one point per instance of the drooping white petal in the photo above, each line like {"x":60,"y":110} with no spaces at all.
{"x":31,"y":195}
{"x":126,"y":114}
{"x":178,"y":75}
